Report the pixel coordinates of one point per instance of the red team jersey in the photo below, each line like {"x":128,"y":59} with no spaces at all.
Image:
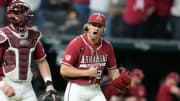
{"x":139,"y":92}
{"x":134,"y":14}
{"x":163,"y":7}
{"x":81,"y":54}
{"x":38,"y":53}
{"x":164,"y":93}
{"x":3,"y":3}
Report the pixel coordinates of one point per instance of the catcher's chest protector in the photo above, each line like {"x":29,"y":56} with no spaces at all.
{"x":18,"y":57}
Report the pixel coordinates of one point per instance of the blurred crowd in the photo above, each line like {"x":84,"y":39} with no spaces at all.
{"x":151,"y":19}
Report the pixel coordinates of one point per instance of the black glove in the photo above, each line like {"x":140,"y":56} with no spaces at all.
{"x":47,"y":96}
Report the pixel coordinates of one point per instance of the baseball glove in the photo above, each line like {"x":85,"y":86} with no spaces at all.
{"x":122,"y":81}
{"x":47,"y":96}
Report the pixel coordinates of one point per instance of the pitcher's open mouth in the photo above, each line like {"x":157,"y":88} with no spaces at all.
{"x":95,"y":33}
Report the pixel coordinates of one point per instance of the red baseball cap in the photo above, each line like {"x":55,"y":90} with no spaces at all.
{"x":137,"y":72}
{"x":97,"y":18}
{"x":174,"y":76}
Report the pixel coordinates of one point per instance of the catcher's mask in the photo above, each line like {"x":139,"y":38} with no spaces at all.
{"x":19,"y":14}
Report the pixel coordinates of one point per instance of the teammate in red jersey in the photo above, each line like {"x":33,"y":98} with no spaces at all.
{"x":137,"y":91}
{"x":19,"y":46}
{"x":169,"y":88}
{"x":83,"y":63}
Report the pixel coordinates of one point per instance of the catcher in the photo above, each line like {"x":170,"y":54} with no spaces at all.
{"x":19,"y":46}
{"x":84,"y":61}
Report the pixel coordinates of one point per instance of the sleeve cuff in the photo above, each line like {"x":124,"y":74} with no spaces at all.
{"x":44,"y":57}
{"x":2,"y":83}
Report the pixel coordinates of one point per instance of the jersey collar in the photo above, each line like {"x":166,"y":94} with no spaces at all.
{"x":97,"y":45}
{"x":19,"y":35}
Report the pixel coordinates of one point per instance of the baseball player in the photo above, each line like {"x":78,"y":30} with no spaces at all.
{"x":84,"y":61}
{"x":169,"y":88}
{"x":137,"y":91}
{"x":19,"y":46}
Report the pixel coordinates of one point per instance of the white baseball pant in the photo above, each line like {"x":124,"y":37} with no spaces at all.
{"x":83,"y":92}
{"x":23,"y":90}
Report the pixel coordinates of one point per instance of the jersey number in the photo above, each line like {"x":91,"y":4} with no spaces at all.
{"x":99,"y":73}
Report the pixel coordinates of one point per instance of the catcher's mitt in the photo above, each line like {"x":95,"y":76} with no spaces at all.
{"x":47,"y":96}
{"x":122,"y":81}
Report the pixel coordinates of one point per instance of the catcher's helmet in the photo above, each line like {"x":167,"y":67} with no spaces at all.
{"x":19,"y":14}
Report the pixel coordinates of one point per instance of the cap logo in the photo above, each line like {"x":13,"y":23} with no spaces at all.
{"x":98,"y":18}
